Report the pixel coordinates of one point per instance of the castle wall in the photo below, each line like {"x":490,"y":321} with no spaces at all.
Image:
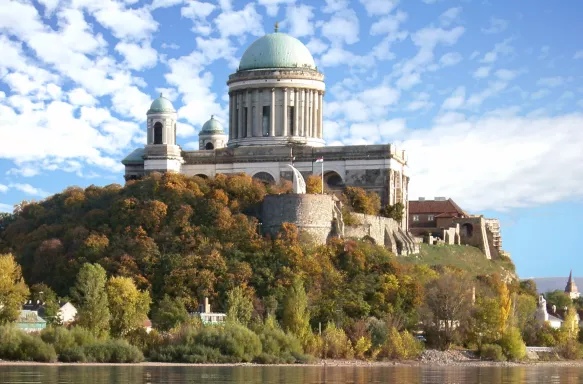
{"x":382,"y":231}
{"x":313,"y":214}
{"x":473,"y":232}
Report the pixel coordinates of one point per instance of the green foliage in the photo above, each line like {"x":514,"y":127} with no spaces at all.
{"x":128,"y":306}
{"x":90,"y":298}
{"x":336,"y":343}
{"x":492,"y":352}
{"x":43,"y":293}
{"x":395,"y":211}
{"x":13,"y":290}
{"x":18,"y":345}
{"x":278,"y":347}
{"x":558,"y":298}
{"x":296,"y":317}
{"x":239,"y":306}
{"x":113,"y":351}
{"x":169,"y":313}
{"x":570,"y":349}
{"x":512,"y":344}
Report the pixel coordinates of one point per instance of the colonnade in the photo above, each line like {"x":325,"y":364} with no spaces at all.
{"x":275,"y":112}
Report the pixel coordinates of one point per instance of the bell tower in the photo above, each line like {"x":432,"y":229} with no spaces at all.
{"x":161,"y":153}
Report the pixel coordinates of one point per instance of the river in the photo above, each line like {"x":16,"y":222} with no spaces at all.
{"x":293,"y":375}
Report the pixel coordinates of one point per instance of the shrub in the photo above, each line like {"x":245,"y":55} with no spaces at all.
{"x":18,"y":345}
{"x":492,"y":352}
{"x":74,"y":354}
{"x":412,"y":347}
{"x":59,"y":337}
{"x":512,"y":344}
{"x":336,"y":343}
{"x":361,"y":347}
{"x":233,"y":340}
{"x":570,"y":350}
{"x":277,"y":346}
{"x":113,"y":351}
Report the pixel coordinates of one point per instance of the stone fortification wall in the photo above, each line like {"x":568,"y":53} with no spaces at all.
{"x":313,"y":214}
{"x":382,"y":231}
{"x":473,"y":232}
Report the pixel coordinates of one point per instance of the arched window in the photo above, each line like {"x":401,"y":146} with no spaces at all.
{"x":209,"y":146}
{"x":333,"y":180}
{"x":202,"y":176}
{"x":264,"y":177}
{"x":158,"y":133}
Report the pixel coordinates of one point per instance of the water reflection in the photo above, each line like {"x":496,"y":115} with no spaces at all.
{"x":292,"y":375}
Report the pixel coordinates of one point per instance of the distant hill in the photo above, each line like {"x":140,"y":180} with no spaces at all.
{"x":546,"y":284}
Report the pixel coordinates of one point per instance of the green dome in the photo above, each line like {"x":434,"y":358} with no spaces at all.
{"x":212,"y":126}
{"x":277,"y":50}
{"x":161,"y":105}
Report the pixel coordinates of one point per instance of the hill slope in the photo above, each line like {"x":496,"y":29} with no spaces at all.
{"x":467,"y":258}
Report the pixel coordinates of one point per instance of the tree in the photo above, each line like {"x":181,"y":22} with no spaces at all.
{"x":314,"y":184}
{"x":362,"y":202}
{"x":128,"y":306}
{"x":558,"y":298}
{"x":90,"y":298}
{"x":169,"y":313}
{"x":393,"y":211}
{"x":447,"y":303}
{"x":296,"y":317}
{"x":239,"y":306}
{"x":44,"y":294}
{"x":13,"y":290}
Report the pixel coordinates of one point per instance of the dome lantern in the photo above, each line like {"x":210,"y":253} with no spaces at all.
{"x":161,"y":105}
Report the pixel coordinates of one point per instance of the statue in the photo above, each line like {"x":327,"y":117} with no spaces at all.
{"x":299,"y":186}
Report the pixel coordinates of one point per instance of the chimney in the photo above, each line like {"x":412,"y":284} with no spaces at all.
{"x":440,"y":198}
{"x":207,"y":306}
{"x":38,"y":301}
{"x":421,"y":199}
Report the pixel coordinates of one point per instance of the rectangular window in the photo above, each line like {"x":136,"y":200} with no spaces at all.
{"x":429,"y":217}
{"x":245,"y":121}
{"x":266,"y":120}
{"x":236,"y":124}
{"x":290,"y":123}
{"x":416,"y":218}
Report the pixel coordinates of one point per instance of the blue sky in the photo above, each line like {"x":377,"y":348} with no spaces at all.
{"x":485,"y":96}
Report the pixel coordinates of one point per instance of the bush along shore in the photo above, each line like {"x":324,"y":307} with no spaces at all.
{"x":156,"y":247}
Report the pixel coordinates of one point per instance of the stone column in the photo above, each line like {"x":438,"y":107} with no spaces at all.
{"x":240,"y":116}
{"x":231,"y":116}
{"x":321,"y":114}
{"x":306,"y":113}
{"x":296,"y":111}
{"x":249,"y":112}
{"x":315,"y":114}
{"x":164,"y":135}
{"x":272,"y":114}
{"x":149,"y":131}
{"x":285,"y":119}
{"x":301,"y":112}
{"x":258,"y":114}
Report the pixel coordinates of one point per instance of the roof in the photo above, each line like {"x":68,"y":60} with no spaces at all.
{"x":212,"y":126}
{"x":161,"y":105}
{"x":571,"y":286}
{"x":441,"y":208}
{"x":136,"y":157}
{"x":277,"y":50}
{"x":27,"y":317}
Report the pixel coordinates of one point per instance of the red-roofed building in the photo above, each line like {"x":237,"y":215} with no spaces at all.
{"x":429,"y":216}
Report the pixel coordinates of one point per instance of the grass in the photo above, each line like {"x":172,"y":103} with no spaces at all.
{"x":467,"y":258}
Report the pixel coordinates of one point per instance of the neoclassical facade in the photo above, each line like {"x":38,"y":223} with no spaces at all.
{"x":276,"y":102}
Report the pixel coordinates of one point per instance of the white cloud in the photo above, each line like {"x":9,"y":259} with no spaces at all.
{"x":339,"y":56}
{"x":389,"y":24}
{"x":165,"y":3}
{"x":556,"y":81}
{"x":578,"y":55}
{"x":6,"y":208}
{"x":198,"y":12}
{"x":379,"y":7}
{"x":272,"y":6}
{"x":29,"y":189}
{"x":541,"y":93}
{"x":482,"y":72}
{"x":3,"y":188}
{"x":503,"y":48}
{"x":506,"y":74}
{"x":184,"y":130}
{"x":368,"y":105}
{"x":456,"y":100}
{"x":316,"y":46}
{"x":343,"y":27}
{"x":409,"y":80}
{"x":421,"y":102}
{"x":450,"y":59}
{"x":496,"y":26}
{"x":335,"y":6}
{"x":138,"y":56}
{"x":450,"y":16}
{"x":527,"y":174}
{"x":238,"y":23}
{"x":298,"y":20}
{"x":79,"y":96}
{"x":493,"y":89}
{"x":544,"y":52}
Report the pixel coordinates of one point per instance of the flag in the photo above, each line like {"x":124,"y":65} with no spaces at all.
{"x":320,"y":160}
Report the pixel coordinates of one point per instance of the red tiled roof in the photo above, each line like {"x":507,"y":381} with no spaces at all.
{"x":444,"y":207}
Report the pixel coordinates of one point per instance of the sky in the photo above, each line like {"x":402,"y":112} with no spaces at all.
{"x":486,"y":96}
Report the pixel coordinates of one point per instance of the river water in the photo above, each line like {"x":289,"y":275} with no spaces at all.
{"x":292,"y":375}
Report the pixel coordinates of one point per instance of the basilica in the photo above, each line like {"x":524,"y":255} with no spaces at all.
{"x":276,"y":102}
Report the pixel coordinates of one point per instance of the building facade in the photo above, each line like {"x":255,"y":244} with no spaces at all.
{"x":276,"y":102}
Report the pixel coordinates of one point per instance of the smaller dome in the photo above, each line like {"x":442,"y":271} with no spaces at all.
{"x":212,"y":126}
{"x":161,"y":105}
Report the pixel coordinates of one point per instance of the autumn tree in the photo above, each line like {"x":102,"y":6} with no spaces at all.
{"x":13,"y":290}
{"x":361,"y":201}
{"x":239,"y":306}
{"x":90,"y":298}
{"x":394,"y":211}
{"x":128,"y":306}
{"x":447,"y":303}
{"x":314,"y":184}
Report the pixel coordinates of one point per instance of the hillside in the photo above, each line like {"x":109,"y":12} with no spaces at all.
{"x":546,"y":284}
{"x":467,"y":258}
